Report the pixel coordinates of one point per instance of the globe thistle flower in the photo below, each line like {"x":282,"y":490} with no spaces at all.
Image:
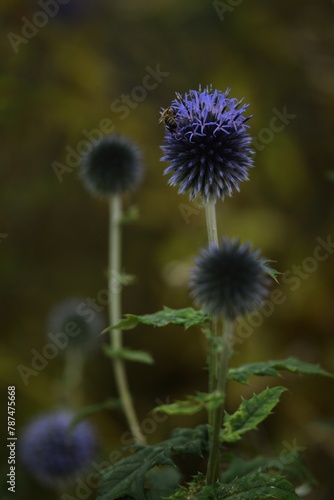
{"x":229,"y":280}
{"x":73,"y":314}
{"x":52,"y":452}
{"x":207,"y":143}
{"x":112,"y":167}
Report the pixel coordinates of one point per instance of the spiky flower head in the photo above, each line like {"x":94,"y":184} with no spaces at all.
{"x":77,"y":323}
{"x":112,"y":167}
{"x":230,"y":279}
{"x":52,"y":452}
{"x":207,"y":143}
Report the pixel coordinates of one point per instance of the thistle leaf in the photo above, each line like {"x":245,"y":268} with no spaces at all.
{"x":271,"y":368}
{"x":192,"y":405}
{"x":183,"y":317}
{"x":250,"y":413}
{"x":254,"y":486}
{"x":129,"y":477}
{"x":130,"y":321}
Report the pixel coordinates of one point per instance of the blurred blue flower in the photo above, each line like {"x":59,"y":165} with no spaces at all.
{"x":207,"y":143}
{"x":229,"y":280}
{"x":54,"y":454}
{"x":112,"y":167}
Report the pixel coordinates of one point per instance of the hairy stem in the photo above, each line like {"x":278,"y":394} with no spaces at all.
{"x":225,"y":352}
{"x":115,"y":285}
{"x":211,"y":223}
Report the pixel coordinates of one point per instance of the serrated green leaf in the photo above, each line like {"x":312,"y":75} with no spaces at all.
{"x":129,"y":355}
{"x":183,"y":317}
{"x":193,"y":404}
{"x":109,"y":404}
{"x":272,"y":367}
{"x":180,"y":408}
{"x":191,"y":490}
{"x":254,"y":486}
{"x":129,"y":476}
{"x":190,"y":441}
{"x":250,"y":413}
{"x":130,"y":321}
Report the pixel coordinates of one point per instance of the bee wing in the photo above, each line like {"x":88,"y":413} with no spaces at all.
{"x":162,"y":116}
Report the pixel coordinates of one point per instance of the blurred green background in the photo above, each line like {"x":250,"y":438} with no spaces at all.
{"x":64,"y":80}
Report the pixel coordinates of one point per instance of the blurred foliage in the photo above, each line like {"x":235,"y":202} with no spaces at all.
{"x":63,"y":81}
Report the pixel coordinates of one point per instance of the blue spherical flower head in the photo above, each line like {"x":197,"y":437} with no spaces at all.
{"x":54,"y":454}
{"x":207,"y":143}
{"x":229,"y":280}
{"x":112,"y":167}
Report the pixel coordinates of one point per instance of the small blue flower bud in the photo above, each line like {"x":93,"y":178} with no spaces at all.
{"x":112,"y":167}
{"x":229,"y":280}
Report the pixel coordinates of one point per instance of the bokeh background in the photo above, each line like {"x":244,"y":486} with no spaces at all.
{"x":64,"y":80}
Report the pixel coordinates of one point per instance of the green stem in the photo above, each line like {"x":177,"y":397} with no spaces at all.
{"x":225,"y":352}
{"x":73,"y":374}
{"x":115,"y":216}
{"x":211,"y":223}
